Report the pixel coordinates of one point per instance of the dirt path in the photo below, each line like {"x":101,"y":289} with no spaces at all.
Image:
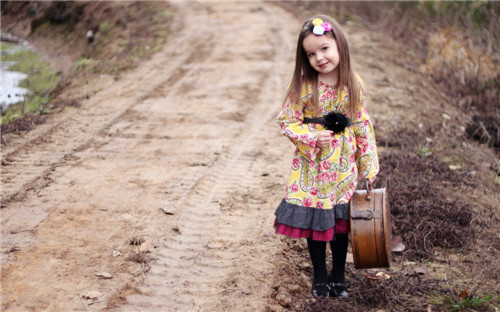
{"x":168,"y":178}
{"x":190,"y":131}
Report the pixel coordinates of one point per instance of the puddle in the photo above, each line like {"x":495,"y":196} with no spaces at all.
{"x":10,"y":92}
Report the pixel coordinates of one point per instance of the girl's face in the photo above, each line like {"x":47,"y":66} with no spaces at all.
{"x":323,"y":55}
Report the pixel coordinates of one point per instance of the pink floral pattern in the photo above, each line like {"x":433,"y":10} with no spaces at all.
{"x":334,"y":169}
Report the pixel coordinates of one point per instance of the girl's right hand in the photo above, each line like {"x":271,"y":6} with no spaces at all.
{"x":324,"y":138}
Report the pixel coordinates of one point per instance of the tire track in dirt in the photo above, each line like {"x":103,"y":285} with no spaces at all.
{"x":196,"y":267}
{"x":26,"y":166}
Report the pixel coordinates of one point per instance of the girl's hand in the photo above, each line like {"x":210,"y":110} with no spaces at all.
{"x":372,"y":180}
{"x":324,"y":138}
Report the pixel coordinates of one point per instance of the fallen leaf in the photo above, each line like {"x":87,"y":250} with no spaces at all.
{"x":104,"y":275}
{"x":420,"y":271}
{"x":463,"y":294}
{"x":145,"y":247}
{"x":382,"y":275}
{"x":397,"y":244}
{"x":166,"y":211}
{"x":93,"y":294}
{"x":371,"y":278}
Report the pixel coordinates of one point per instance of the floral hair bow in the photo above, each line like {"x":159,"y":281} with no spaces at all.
{"x":320,"y":27}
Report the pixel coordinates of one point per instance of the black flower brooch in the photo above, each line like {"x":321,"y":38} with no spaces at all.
{"x":335,"y":122}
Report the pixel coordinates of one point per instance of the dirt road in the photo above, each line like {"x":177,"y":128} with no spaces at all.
{"x":168,"y":178}
{"x":192,"y":132}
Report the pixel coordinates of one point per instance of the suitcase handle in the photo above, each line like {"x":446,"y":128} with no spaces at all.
{"x":362,"y":214}
{"x":369,"y":189}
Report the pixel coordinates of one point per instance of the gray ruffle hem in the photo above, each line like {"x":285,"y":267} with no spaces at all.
{"x":310,"y":218}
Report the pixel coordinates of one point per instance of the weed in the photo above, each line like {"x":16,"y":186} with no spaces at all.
{"x":463,"y":300}
{"x":4,"y":46}
{"x":424,"y":151}
{"x":232,"y":279}
{"x":143,"y":259}
{"x":32,"y":104}
{"x":82,"y":63}
{"x":106,"y":29}
{"x":38,"y":103}
{"x":104,"y":26}
{"x":162,"y":16}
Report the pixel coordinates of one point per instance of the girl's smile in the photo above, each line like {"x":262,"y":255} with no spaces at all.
{"x":323,"y":55}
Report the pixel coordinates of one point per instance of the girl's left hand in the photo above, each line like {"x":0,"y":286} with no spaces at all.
{"x":324,"y":138}
{"x":372,"y":180}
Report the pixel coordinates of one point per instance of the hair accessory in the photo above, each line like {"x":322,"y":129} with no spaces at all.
{"x":317,"y":22}
{"x":320,"y":27}
{"x":326,"y":26}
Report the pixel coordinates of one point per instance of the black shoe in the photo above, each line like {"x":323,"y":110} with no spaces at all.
{"x":338,"y":290}
{"x":320,"y":290}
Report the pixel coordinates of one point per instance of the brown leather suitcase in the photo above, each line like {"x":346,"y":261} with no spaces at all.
{"x":371,"y":229}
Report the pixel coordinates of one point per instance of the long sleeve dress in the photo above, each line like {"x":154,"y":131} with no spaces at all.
{"x":322,"y":180}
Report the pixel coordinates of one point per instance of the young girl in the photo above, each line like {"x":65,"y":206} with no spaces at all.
{"x":324,"y":94}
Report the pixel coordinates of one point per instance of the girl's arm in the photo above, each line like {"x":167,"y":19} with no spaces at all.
{"x":366,"y":148}
{"x":291,"y":119}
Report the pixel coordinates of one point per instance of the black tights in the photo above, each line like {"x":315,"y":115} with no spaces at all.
{"x":317,"y":251}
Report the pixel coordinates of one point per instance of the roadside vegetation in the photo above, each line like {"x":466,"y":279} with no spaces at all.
{"x":457,"y":45}
{"x":123,"y":34}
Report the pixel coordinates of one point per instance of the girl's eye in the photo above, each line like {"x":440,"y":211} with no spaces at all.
{"x":324,"y":48}
{"x":310,"y":54}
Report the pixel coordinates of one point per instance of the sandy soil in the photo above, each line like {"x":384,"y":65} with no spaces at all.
{"x":168,"y":178}
{"x":190,"y":132}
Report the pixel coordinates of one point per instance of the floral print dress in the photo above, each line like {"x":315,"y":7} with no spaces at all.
{"x":322,"y":180}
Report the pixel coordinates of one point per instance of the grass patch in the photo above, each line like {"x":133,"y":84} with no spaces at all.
{"x":424,"y":151}
{"x":82,"y":63}
{"x":464,"y":300}
{"x":106,"y":29}
{"x":41,"y":78}
{"x":5,"y":46}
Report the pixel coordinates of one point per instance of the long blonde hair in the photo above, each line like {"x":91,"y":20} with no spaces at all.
{"x":304,"y":74}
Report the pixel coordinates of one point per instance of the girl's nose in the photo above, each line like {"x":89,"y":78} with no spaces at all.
{"x":319,"y":56}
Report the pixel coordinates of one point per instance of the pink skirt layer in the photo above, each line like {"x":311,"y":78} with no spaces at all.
{"x":341,"y":227}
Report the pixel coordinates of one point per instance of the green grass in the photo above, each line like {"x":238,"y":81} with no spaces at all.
{"x":424,"y":151}
{"x":82,"y":63}
{"x":458,"y":302}
{"x":5,"y":46}
{"x":106,"y":29}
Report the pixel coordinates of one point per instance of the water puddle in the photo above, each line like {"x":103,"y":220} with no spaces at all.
{"x":10,"y":92}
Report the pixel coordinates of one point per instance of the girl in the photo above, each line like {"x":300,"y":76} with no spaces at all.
{"x":324,"y":94}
